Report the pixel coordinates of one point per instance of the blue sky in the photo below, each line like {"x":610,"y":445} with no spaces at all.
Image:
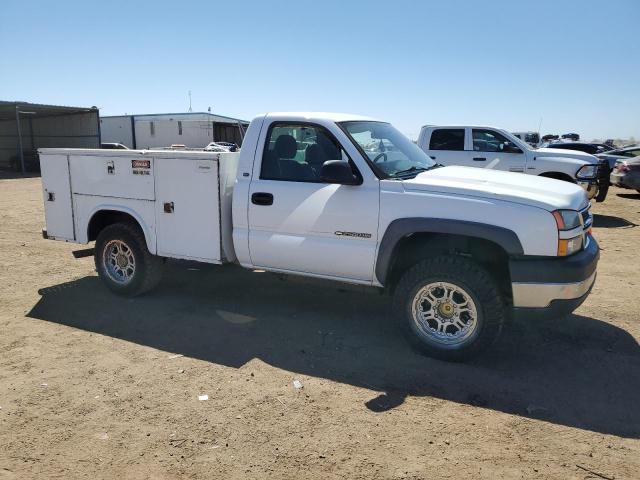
{"x":575,"y":64}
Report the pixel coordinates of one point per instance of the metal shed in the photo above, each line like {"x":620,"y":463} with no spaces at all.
{"x":25,"y":127}
{"x":193,"y":129}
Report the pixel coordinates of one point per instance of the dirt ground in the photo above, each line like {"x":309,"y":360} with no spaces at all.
{"x":94,"y":386}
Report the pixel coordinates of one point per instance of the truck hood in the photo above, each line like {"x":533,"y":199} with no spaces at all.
{"x":520,"y":188}
{"x":565,"y":154}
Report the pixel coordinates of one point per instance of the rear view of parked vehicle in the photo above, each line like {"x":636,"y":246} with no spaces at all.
{"x":626,"y":174}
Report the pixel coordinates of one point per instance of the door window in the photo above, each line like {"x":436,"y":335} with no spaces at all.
{"x":492,"y":141}
{"x":296,"y":152}
{"x":447,"y":139}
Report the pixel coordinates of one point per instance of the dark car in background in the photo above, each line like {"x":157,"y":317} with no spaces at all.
{"x":571,"y":136}
{"x":612,"y":156}
{"x":591,"y":148}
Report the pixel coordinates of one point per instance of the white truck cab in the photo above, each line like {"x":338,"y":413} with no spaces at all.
{"x":495,"y":148}
{"x":339,"y":197}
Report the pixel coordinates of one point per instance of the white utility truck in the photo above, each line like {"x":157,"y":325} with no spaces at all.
{"x":495,"y":148}
{"x":338,"y":197}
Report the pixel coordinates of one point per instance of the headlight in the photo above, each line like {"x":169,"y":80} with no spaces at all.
{"x":587,"y":171}
{"x":567,"y":219}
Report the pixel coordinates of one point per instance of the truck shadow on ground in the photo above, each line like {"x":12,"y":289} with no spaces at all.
{"x":634,"y":196}
{"x":578,"y":371}
{"x":610,"y":221}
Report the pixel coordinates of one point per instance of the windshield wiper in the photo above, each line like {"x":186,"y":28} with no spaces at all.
{"x":414,"y":169}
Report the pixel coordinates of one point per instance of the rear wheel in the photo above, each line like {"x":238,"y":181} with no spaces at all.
{"x":449,"y":307}
{"x":123,"y":261}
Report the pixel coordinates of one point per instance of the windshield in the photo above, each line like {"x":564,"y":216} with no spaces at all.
{"x":390,"y":151}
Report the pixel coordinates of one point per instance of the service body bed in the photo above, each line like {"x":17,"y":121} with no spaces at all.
{"x":181,"y":199}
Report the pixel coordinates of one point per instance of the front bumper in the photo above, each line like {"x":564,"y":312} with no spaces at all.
{"x":556,"y":286}
{"x":599,"y":186}
{"x":589,"y":186}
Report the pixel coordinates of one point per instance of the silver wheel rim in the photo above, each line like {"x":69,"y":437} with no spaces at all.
{"x":444,"y":313}
{"x":119,"y":262}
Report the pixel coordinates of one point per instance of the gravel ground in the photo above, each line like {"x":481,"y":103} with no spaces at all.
{"x":94,"y":386}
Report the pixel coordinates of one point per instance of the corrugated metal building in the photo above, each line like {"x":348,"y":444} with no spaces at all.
{"x":195,"y":130}
{"x":25,"y":127}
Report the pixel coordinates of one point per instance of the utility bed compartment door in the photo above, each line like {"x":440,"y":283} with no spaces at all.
{"x":188,"y":209}
{"x":56,"y":190}
{"x":122,"y":176}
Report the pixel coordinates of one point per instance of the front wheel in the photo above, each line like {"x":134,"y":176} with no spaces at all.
{"x":449,"y":307}
{"x":123,"y":261}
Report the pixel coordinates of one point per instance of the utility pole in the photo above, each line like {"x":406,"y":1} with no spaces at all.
{"x":190,"y":109}
{"x":22,"y":167}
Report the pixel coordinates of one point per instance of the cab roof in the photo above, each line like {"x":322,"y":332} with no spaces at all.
{"x":317,"y":116}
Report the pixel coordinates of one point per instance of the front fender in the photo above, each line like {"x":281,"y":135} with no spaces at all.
{"x":400,"y":228}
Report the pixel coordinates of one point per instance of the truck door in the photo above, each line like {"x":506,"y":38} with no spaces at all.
{"x":491,"y":149}
{"x":447,"y":146}
{"x":299,"y":224}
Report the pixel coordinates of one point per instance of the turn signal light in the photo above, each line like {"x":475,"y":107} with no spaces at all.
{"x":569,"y":246}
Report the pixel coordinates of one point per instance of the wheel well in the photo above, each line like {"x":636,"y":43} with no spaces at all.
{"x":104,"y":218}
{"x":558,"y":176}
{"x":419,"y":246}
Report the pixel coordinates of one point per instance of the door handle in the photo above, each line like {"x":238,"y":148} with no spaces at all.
{"x":262,"y":198}
{"x":168,"y":207}
{"x":433,"y":157}
{"x":479,"y":159}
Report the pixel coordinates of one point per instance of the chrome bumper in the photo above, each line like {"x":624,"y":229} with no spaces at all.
{"x":540,"y":295}
{"x":590,"y":187}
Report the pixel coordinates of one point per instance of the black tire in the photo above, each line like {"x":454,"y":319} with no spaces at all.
{"x":148,"y":268}
{"x":474,"y":281}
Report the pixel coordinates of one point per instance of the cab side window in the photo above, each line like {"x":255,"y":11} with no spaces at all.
{"x":296,"y":153}
{"x":492,"y":141}
{"x":447,"y":139}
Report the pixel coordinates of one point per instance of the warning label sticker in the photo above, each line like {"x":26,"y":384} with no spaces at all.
{"x":140,"y":167}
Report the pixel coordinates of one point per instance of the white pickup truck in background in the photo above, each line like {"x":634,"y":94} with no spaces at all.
{"x":339,"y":197}
{"x":495,"y":148}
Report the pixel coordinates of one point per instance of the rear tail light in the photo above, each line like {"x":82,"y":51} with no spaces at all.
{"x":622,"y":167}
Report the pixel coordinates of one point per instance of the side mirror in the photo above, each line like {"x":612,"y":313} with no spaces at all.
{"x":509,"y":148}
{"x":338,"y":171}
